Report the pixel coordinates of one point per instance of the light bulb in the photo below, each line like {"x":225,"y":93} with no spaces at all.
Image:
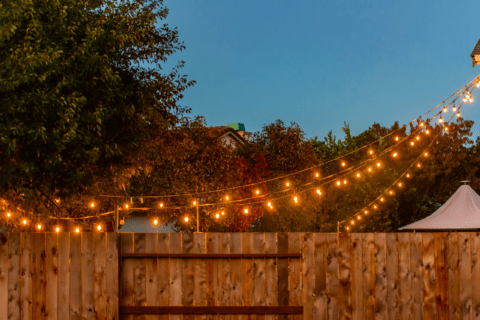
{"x":155,"y":222}
{"x":92,"y":205}
{"x":269,"y":204}
{"x":471,"y":100}
{"x":391,"y":192}
{"x":358,"y":175}
{"x":217,"y":216}
{"x":316,"y":175}
{"x":295,"y":199}
{"x":126,"y":206}
{"x":378,"y":164}
{"x":77,"y":230}
{"x":459,"y":115}
{"x":366,"y":211}
{"x":478,"y":84}
{"x":454,"y":108}
{"x":375,"y":207}
{"x":24,"y":221}
{"x":399,"y":184}
{"x":427,"y":132}
{"x":422,"y":124}
{"x":445,"y":109}
{"x":338,"y":183}
{"x":57,"y":229}
{"x":194,"y":203}
{"x":57,"y":200}
{"x":369,"y":169}
{"x":395,"y":154}
{"x":359,"y":217}
{"x":381,"y":199}
{"x":419,"y":165}
{"x":344,"y":181}
{"x":347,"y":228}
{"x":246,"y":211}
{"x":396,"y":138}
{"x":8,"y":215}
{"x":288,"y":184}
{"x":226,"y":198}
{"x":39,"y":226}
{"x":343,"y":164}
{"x":440,"y":120}
{"x":418,"y":137}
{"x":464,"y":99}
{"x":371,"y":151}
{"x":319,"y":192}
{"x":99,"y":227}
{"x":257,"y":192}
{"x":186,"y":219}
{"x":426,"y":154}
{"x":352,"y":222}
{"x":161,"y":205}
{"x":408,"y":175}
{"x":446,"y":128}
{"x":412,"y":143}
{"x":223,"y":213}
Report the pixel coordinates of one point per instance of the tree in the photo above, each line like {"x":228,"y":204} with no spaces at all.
{"x":82,"y":93}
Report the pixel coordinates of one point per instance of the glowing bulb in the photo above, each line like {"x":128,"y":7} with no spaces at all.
{"x":358,"y":175}
{"x":269,"y":204}
{"x":126,"y":206}
{"x":347,"y":228}
{"x":8,"y":215}
{"x":419,"y":165}
{"x":478,"y":84}
{"x":369,"y":169}
{"x":288,"y":184}
{"x":217,"y":216}
{"x":422,"y":124}
{"x":92,"y":205}
{"x":408,"y":175}
{"x":257,"y":192}
{"x":39,"y":226}
{"x":454,"y":109}
{"x":412,"y":143}
{"x":194,"y":203}
{"x":418,"y":137}
{"x":186,"y":219}
{"x":155,"y":222}
{"x":378,"y":164}
{"x":399,"y":184}
{"x":427,"y":132}
{"x":344,"y":181}
{"x":366,"y":211}
{"x":446,"y":128}
{"x":316,"y":175}
{"x":464,"y":99}
{"x":77,"y":230}
{"x":459,"y":115}
{"x":57,"y":200}
{"x":223,"y":213}
{"x":440,"y":120}
{"x":352,"y":222}
{"x":24,"y":221}
{"x":161,"y":205}
{"x":319,"y":192}
{"x":226,"y":198}
{"x":445,"y":109}
{"x":246,"y":211}
{"x":295,"y":199}
{"x":338,"y":183}
{"x":395,"y":154}
{"x":396,"y":138}
{"x":381,"y":199}
{"x":57,"y":229}
{"x":391,"y":192}
{"x":375,"y":207}
{"x":359,"y":217}
{"x":471,"y":100}
{"x":371,"y":151}
{"x":99,"y":227}
{"x":343,"y":164}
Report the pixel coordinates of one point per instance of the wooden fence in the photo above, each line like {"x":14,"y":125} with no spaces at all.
{"x":353,"y":276}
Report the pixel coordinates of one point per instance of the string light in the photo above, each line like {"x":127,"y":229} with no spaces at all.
{"x":394,"y":154}
{"x":412,"y":143}
{"x":369,"y":169}
{"x":375,"y":207}
{"x":8,"y":215}
{"x":269,"y":204}
{"x":391,"y":192}
{"x":408,"y":175}
{"x":39,"y":226}
{"x":57,"y":200}
{"x":366,"y":211}
{"x":353,"y":222}
{"x":99,"y":227}
{"x":186,"y":219}
{"x":358,"y":175}
{"x":161,"y":205}
{"x":288,"y":184}
{"x":344,"y":181}
{"x":343,"y":164}
{"x":422,"y":124}
{"x":378,"y":164}
{"x":396,"y":138}
{"x":24,"y":221}
{"x":454,"y":108}
{"x":57,"y":229}
{"x":223,"y":213}
{"x":226,"y":198}
{"x":317,"y":175}
{"x":257,"y":192}
{"x":347,"y":228}
{"x":77,"y":230}
{"x":440,"y":119}
{"x":338,"y":183}
{"x":445,"y":109}
{"x":446,"y":128}
{"x":126,"y":206}
{"x":418,"y":137}
{"x":419,"y":165}
{"x":245,"y":211}
{"x":319,"y":192}
{"x":399,"y":184}
{"x":217,"y":216}
{"x":359,"y":217}
{"x":381,"y":199}
{"x":371,"y":151}
{"x":155,"y":222}
{"x":194,"y":203}
{"x":295,"y":199}
{"x":426,"y":154}
{"x":458,"y":114}
{"x":427,"y":131}
{"x":92,"y":205}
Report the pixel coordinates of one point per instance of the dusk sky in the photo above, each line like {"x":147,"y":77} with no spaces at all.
{"x":320,"y":63}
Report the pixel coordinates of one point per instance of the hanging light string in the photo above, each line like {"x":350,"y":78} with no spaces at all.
{"x":459,"y":92}
{"x":416,"y":161}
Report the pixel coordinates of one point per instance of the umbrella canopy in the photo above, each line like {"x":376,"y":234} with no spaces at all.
{"x":461,"y":211}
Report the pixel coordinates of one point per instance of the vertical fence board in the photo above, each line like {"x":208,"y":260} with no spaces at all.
{"x":128,"y":281}
{"x":259,"y":273}
{"x":465,"y":269}
{"x":151,"y":242}
{"x":453,"y":276}
{"x":271,"y":298}
{"x":139,"y":274}
{"x":308,"y":275}
{"x":164,"y":274}
{"x":112,"y":276}
{"x":39,"y":294}
{"x":175,"y":273}
{"x":51,"y":276}
{"x":88,"y":303}
{"x":380,"y":277}
{"x":441,"y":276}
{"x":416,"y":266}
{"x":282,"y":247}
{"x":188,"y":269}
{"x":475,"y":253}
{"x":368,"y":261}
{"x":100,"y":279}
{"x":344,"y":276}
{"x":295,"y":284}
{"x":247,"y":272}
{"x":63,"y":295}
{"x":200,"y":290}
{"x":393,"y":279}
{"x":75,"y":276}
{"x":428,"y":275}
{"x":356,"y":254}
{"x":236,"y":273}
{"x":332,"y":276}
{"x":223,"y":278}
{"x":321,"y":298}
{"x":14,"y":276}
{"x":212,"y":272}
{"x":405,"y":280}
{"x":4,"y":276}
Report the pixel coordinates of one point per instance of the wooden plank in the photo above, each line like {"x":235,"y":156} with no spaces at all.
{"x":4,"y":276}
{"x":127,"y":269}
{"x":308,"y":274}
{"x":321,"y":297}
{"x":247,"y":273}
{"x":393,"y":279}
{"x":259,"y":273}
{"x":405,"y":279}
{"x":51,"y":276}
{"x":356,"y":254}
{"x":112,"y":276}
{"x":75,"y":276}
{"x":453,"y":276}
{"x":441,"y":276}
{"x":428,"y":276}
{"x":193,"y":310}
{"x":381,"y":311}
{"x":465,"y":270}
{"x":223,"y":278}
{"x":175,"y":273}
{"x":39,"y":294}
{"x":164,"y":275}
{"x":368,"y":261}
{"x":211,"y":272}
{"x":100,"y":276}
{"x":332,"y":276}
{"x":416,"y":270}
{"x":271,"y":298}
{"x":15,"y":270}
{"x":88,"y":303}
{"x":209,"y":256}
{"x":475,"y":254}
{"x":139,"y":270}
{"x":151,"y":267}
{"x":63,"y":295}
{"x":188,"y":272}
{"x":200,"y":274}
{"x":295,"y":281}
{"x":344,"y":277}
{"x":236,"y":273}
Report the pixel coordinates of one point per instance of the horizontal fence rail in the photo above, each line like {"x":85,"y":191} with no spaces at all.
{"x":235,"y":276}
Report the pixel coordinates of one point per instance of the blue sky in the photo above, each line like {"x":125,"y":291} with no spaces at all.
{"x":320,"y":63}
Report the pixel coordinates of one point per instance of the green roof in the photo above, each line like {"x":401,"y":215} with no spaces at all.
{"x":237,"y":126}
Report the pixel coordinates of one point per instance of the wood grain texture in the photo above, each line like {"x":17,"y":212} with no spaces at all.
{"x":188,"y":274}
{"x":200,"y":272}
{"x":14,"y":275}
{"x":356,"y":254}
{"x":332,"y":276}
{"x":381,"y":311}
{"x":88,"y":303}
{"x":259,"y":273}
{"x":75,"y":276}
{"x":404,"y":275}
{"x":51,"y":276}
{"x":112,"y":276}
{"x":295,"y":284}
{"x":368,"y":261}
{"x":453,"y":276}
{"x":39,"y":294}
{"x":321,"y":296}
{"x":416,"y":272}
{"x":441,"y":275}
{"x":236,"y":273}
{"x":428,"y":276}
{"x":175,"y":273}
{"x":100,"y":275}
{"x":140,"y":274}
{"x":4,"y":276}
{"x":128,"y":280}
{"x":247,"y":273}
{"x":164,"y":275}
{"x":282,"y":280}
{"x":63,"y":294}
{"x":223,"y":277}
{"x":151,"y":280}
{"x":465,"y":273}
{"x":308,"y":274}
{"x":344,"y":277}
{"x":211,"y":272}
{"x":393,"y":276}
{"x":271,"y":298}
{"x":475,"y":256}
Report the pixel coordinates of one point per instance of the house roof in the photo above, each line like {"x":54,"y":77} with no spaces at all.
{"x":221,"y":131}
{"x":476,"y":50}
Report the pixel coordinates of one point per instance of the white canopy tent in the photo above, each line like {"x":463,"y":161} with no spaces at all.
{"x":461,"y":211}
